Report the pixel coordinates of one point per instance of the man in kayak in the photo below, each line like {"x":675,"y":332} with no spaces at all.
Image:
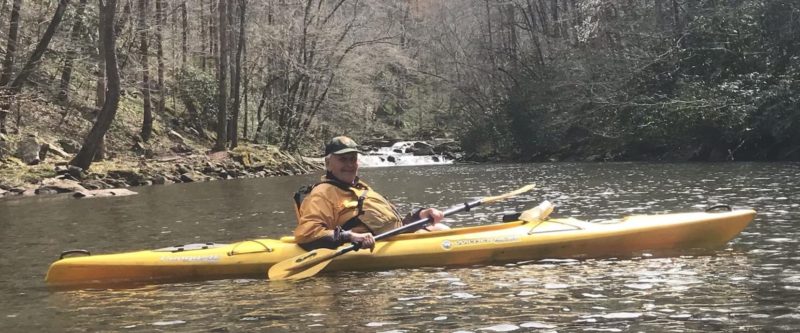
{"x":341,"y":208}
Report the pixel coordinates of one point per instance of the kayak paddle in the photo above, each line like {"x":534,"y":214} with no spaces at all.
{"x":310,"y":263}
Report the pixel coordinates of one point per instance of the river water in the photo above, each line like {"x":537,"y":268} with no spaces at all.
{"x":751,"y":285}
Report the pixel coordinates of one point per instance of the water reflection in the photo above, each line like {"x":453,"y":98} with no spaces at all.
{"x":752,"y":285}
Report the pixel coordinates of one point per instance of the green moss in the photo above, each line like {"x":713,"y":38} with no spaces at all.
{"x":16,"y":174}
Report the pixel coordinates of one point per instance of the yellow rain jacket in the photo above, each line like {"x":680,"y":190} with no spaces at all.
{"x":329,"y":206}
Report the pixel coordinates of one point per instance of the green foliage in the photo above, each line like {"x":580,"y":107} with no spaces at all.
{"x":513,"y":79}
{"x":408,"y":104}
{"x":488,"y":140}
{"x":198,"y":92}
{"x":732,"y":87}
{"x":717,"y":80}
{"x":534,"y":122}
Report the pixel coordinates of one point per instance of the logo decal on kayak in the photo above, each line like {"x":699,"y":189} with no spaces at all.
{"x":450,"y":244}
{"x":446,"y":245}
{"x":212,"y":258}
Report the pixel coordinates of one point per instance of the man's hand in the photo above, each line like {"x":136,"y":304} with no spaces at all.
{"x":435,"y":214}
{"x":366,"y":240}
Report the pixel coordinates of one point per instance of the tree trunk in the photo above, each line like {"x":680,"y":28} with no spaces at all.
{"x":510,"y":26}
{"x":238,"y":74}
{"x":222,"y":69}
{"x":203,"y":36}
{"x":90,"y":145}
{"x":232,"y":40}
{"x":185,"y":26}
{"x":11,"y":45}
{"x":75,"y":35}
{"x":246,"y":94}
{"x":676,"y":19}
{"x":531,"y":19}
{"x":554,"y":12}
{"x":542,"y":11}
{"x":160,"y":54}
{"x":404,"y":23}
{"x":100,"y":91}
{"x":8,"y":63}
{"x":215,"y":25}
{"x":212,"y":33}
{"x":489,"y":33}
{"x":32,"y":63}
{"x":147,"y":121}
{"x":119,"y":28}
{"x":259,"y":112}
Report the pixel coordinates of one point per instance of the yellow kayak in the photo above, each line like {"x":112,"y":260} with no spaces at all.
{"x":498,"y":243}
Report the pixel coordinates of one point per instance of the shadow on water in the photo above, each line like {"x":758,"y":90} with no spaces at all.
{"x":751,"y":285}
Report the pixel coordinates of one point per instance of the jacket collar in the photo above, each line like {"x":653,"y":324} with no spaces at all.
{"x":356,"y":183}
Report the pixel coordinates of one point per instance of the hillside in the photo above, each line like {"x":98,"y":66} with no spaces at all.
{"x":172,"y":155}
{"x":522,"y":81}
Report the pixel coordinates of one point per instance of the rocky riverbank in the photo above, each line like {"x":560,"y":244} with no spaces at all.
{"x":31,"y":165}
{"x":37,"y":167}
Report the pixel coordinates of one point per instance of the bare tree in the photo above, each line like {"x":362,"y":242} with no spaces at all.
{"x":32,"y":63}
{"x":160,"y":56}
{"x":184,"y":33}
{"x":147,"y":122}
{"x":246,"y":93}
{"x":83,"y":159}
{"x":213,"y":25}
{"x":204,"y":35}
{"x":101,"y":86}
{"x":222,"y":73}
{"x":320,"y":50}
{"x":11,"y":45}
{"x":66,"y":74}
{"x":237,"y":79}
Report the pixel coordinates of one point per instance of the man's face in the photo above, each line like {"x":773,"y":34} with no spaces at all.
{"x":344,"y":166}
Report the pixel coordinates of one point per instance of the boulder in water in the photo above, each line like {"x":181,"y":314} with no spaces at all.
{"x":115,"y":192}
{"x":421,"y":149}
{"x":447,"y":147}
{"x":61,"y":185}
{"x":130,"y":177}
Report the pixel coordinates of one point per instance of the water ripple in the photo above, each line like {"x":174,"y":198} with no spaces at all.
{"x":753,"y":284}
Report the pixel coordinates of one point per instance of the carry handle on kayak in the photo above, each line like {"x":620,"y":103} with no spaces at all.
{"x":719,"y":207}
{"x":68,"y":252}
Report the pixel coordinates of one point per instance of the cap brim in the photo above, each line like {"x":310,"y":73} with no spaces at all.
{"x":345,"y":151}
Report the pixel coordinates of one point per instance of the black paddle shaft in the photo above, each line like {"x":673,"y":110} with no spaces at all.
{"x":462,"y":207}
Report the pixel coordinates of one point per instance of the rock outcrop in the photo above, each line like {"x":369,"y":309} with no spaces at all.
{"x":28,"y":150}
{"x":251,"y":161}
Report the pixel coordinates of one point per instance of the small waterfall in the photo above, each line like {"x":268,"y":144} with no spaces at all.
{"x":399,"y":154}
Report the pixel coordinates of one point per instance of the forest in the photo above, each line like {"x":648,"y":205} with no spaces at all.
{"x":510,"y":80}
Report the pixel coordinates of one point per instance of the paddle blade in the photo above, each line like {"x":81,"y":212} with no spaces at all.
{"x":308,"y":271}
{"x":519,"y":191}
{"x":302,"y":266}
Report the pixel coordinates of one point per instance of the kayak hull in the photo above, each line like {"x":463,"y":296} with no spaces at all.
{"x":499,"y":243}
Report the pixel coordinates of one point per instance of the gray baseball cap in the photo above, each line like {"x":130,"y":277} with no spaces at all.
{"x":341,"y":145}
